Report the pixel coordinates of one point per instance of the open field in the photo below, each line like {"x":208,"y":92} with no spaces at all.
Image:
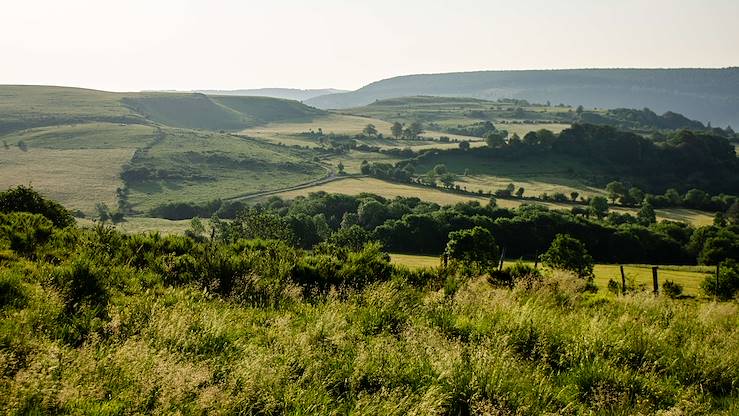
{"x":197,"y":166}
{"x":533,"y":184}
{"x":355,"y":186}
{"x":133,"y":225}
{"x":289,"y":132}
{"x":84,"y":136}
{"x":79,"y":178}
{"x":688,"y":276}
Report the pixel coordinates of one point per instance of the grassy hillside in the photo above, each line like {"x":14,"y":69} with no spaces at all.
{"x":703,"y":94}
{"x":191,"y":166}
{"x":23,"y":107}
{"x":198,"y":111}
{"x":73,"y":145}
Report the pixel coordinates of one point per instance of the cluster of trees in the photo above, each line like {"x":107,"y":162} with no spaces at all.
{"x":409,"y":132}
{"x":478,"y":129}
{"x":686,"y":160}
{"x":693,"y":198}
{"x":412,"y":225}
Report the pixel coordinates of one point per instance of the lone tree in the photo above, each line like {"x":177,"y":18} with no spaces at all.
{"x":567,"y":253}
{"x":474,"y":250}
{"x":370,"y":130}
{"x":574,"y":195}
{"x":464,"y":145}
{"x":647,"y":214}
{"x":599,"y":206}
{"x":396,"y":130}
{"x":615,"y":190}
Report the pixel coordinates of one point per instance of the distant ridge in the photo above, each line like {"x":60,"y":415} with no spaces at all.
{"x":285,"y":93}
{"x":702,"y":94}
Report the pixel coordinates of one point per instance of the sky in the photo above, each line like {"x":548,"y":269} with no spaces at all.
{"x":132,"y":45}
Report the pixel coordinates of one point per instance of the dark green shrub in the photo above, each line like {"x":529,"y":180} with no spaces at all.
{"x":728,"y":281}
{"x":521,"y":270}
{"x":82,"y":285}
{"x":25,"y":199}
{"x":11,"y":291}
{"x":25,"y":232}
{"x":671,"y":289}
{"x":614,"y":287}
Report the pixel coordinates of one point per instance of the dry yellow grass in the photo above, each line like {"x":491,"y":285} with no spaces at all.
{"x":77,"y":178}
{"x":134,"y":225}
{"x":286,"y":132}
{"x":532,"y":187}
{"x":355,"y":186}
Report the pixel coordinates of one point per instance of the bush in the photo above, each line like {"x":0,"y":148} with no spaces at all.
{"x":567,"y":253}
{"x":671,"y":289}
{"x":25,"y":232}
{"x":473,"y":250}
{"x":728,"y":281}
{"x":25,"y":199}
{"x":83,"y":287}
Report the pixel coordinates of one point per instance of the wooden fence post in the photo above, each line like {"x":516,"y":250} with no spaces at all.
{"x":502,"y":256}
{"x":536,"y":260}
{"x":718,"y":266}
{"x":655,"y":279}
{"x":623,"y":280}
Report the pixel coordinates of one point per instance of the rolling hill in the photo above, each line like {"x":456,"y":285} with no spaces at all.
{"x":703,"y":94}
{"x":23,"y":107}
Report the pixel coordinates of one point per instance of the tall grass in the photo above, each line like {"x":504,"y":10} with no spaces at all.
{"x":406,"y":343}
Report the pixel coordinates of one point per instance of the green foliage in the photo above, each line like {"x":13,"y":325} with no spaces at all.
{"x":672,"y":289}
{"x":567,"y":253}
{"x":474,"y":250}
{"x":728,"y":281}
{"x":646,"y":214}
{"x":25,"y":199}
{"x":25,"y":232}
{"x":599,"y":206}
{"x":83,"y":287}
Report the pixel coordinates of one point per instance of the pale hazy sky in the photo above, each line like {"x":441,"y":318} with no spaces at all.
{"x":224,"y":44}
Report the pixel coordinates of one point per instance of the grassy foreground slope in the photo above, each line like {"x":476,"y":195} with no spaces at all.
{"x":96,"y":322}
